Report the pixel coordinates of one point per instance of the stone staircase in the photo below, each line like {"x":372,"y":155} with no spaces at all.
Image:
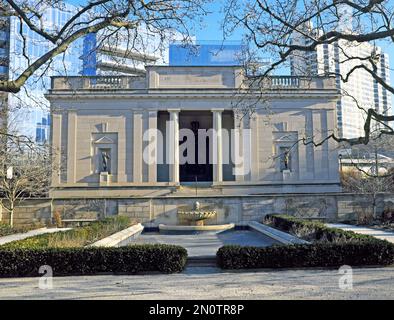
{"x":203,"y":189}
{"x":201,"y":261}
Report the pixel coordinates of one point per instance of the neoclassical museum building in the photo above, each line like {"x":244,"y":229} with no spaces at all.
{"x":158,"y":140}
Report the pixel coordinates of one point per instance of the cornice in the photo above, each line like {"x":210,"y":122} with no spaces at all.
{"x":294,"y":94}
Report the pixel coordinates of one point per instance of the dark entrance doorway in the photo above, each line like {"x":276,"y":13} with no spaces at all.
{"x":200,"y":172}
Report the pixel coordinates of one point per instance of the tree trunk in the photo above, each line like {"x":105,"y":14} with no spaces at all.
{"x":12,"y":216}
{"x":374,"y":207}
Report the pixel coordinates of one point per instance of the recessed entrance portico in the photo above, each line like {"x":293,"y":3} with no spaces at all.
{"x":198,"y":155}
{"x":195,"y":154}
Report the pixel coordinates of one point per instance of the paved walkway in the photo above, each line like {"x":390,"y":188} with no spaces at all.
{"x":207,"y":244}
{"x":380,"y":234}
{"x":210,"y":283}
{"x":32,"y":233}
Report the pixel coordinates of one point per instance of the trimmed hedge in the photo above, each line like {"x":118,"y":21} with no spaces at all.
{"x":87,"y":261}
{"x":301,"y":255}
{"x":331,"y":247}
{"x":74,"y":238}
{"x":313,"y":230}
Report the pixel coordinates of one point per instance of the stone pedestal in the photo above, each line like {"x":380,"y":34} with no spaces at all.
{"x":105,"y":179}
{"x":286,"y":175}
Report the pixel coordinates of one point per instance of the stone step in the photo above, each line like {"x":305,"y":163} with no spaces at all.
{"x":201,"y":261}
{"x":191,"y":191}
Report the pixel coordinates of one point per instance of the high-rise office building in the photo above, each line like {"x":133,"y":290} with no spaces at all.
{"x":124,"y":53}
{"x":360,"y":90}
{"x":42,"y":129}
{"x":20,"y":46}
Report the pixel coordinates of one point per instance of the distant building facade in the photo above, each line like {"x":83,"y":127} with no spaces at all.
{"x":29,"y":106}
{"x":43,"y":129}
{"x":361,"y":87}
{"x":104,"y":54}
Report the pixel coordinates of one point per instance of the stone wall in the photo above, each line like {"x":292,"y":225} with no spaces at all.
{"x":29,"y":212}
{"x":230,"y":209}
{"x":239,"y":209}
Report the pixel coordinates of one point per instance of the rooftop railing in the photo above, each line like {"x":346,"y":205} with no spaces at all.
{"x":98,"y":83}
{"x":292,"y":82}
{"x":140,"y":82}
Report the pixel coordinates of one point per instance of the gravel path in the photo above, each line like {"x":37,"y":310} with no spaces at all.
{"x":210,"y":283}
{"x":31,"y":233}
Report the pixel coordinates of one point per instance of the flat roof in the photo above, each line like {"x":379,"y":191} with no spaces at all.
{"x":187,"y":66}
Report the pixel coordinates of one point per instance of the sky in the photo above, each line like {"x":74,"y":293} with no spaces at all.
{"x":211,"y":30}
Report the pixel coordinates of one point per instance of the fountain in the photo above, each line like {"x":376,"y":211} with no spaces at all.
{"x":195,"y":218}
{"x":197,"y":215}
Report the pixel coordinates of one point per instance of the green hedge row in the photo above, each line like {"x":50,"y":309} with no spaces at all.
{"x":330,"y":247}
{"x":86,"y":261}
{"x":301,"y":255}
{"x":314,"y":231}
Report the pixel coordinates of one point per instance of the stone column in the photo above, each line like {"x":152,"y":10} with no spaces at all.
{"x":152,"y":166}
{"x":56,"y":131}
{"x":255,"y":148}
{"x":137,"y":146}
{"x":120,"y":150}
{"x":71,"y":146}
{"x":238,"y":153}
{"x":333,"y":163}
{"x":173,"y":145}
{"x":217,"y":147}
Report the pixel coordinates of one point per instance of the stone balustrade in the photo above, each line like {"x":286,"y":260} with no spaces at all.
{"x":190,"y":78}
{"x":98,"y":83}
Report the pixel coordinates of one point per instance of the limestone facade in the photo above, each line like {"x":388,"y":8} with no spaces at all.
{"x":99,"y":123}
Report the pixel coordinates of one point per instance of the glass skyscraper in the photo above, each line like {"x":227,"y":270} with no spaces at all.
{"x":105,"y":54}
{"x":20,"y":46}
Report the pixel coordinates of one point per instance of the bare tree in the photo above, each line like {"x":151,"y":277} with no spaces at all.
{"x":157,"y":16}
{"x":369,"y":172}
{"x":273,"y":25}
{"x":25,"y":172}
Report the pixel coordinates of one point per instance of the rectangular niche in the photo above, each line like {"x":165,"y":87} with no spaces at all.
{"x":104,"y":153}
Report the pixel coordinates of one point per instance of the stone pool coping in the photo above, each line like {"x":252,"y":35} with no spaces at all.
{"x":121,"y":238}
{"x":219,"y":227}
{"x":276,"y":234}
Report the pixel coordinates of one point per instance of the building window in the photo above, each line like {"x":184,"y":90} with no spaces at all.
{"x":284,"y":158}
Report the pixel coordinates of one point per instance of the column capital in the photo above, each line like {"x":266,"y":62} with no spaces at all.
{"x":174,"y":110}
{"x":217,"y":110}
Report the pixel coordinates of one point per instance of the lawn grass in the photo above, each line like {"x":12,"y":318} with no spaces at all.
{"x":6,"y":229}
{"x":75,"y":238}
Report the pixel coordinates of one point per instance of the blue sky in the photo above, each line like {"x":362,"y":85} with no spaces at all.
{"x":211,"y":30}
